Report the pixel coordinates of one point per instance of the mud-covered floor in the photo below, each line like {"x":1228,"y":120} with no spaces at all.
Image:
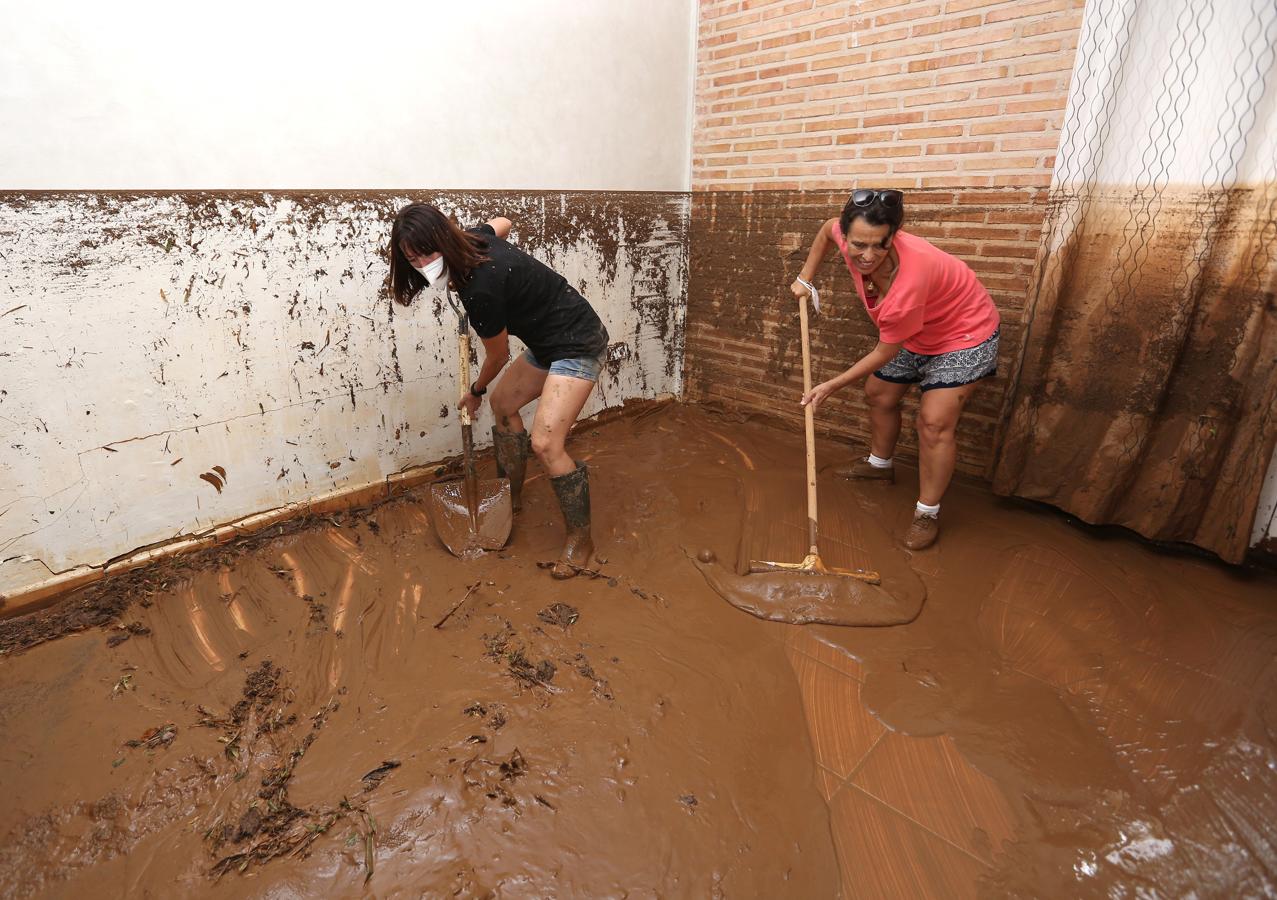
{"x":1069,"y":715}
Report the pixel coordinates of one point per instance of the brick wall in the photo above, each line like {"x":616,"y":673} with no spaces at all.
{"x":810,"y":94}
{"x":958,"y":102}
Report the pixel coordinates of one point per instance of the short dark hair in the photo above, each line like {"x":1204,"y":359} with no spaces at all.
{"x":875,"y":213}
{"x":423,"y":229}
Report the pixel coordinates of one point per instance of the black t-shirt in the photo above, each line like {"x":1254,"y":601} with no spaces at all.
{"x":514,"y":292}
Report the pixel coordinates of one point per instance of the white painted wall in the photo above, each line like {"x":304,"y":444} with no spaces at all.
{"x":143,"y":94}
{"x":1201,"y":77}
{"x":145,"y":340}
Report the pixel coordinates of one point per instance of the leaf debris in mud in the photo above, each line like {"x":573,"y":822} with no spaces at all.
{"x":124,"y":632}
{"x":372,"y":779}
{"x":282,"y":829}
{"x":160,"y":736}
{"x":525,"y":670}
{"x":561,"y":614}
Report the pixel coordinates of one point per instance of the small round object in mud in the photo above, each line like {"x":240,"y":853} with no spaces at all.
{"x":706,"y":556}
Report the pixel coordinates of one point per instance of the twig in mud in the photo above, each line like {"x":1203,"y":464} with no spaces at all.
{"x":370,"y":837}
{"x":474,"y":587}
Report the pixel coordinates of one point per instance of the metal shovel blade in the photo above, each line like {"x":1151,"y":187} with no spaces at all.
{"x":490,"y":528}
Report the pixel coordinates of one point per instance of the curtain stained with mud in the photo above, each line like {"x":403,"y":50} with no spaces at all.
{"x":1146,"y":390}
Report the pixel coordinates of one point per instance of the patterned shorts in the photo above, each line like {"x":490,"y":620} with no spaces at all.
{"x":943,"y":370}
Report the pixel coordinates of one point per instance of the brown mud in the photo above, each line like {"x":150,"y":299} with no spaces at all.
{"x":342,"y":707}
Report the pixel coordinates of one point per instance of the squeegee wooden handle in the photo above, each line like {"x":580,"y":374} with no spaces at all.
{"x":809,"y":416}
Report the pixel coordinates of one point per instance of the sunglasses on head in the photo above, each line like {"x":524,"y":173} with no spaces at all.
{"x":867,"y":196}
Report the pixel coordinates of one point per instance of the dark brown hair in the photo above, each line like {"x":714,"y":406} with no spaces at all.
{"x":423,"y":229}
{"x":875,"y":211}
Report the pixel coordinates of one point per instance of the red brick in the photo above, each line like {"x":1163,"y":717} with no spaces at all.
{"x":819,"y":140}
{"x":984,"y":37}
{"x":1026,"y":10}
{"x":965,"y":76}
{"x":1059,"y":62}
{"x":761,"y":59}
{"x":817,"y":49}
{"x":963,"y":112}
{"x":1044,"y":141}
{"x":1016,"y":49}
{"x":735,"y":50}
{"x":1009,"y":126}
{"x":890,"y":150}
{"x":841,"y":61}
{"x":1018,"y":107}
{"x":962,"y":147}
{"x":832,"y":125}
{"x":943,"y":62}
{"x":846,"y":26}
{"x":930,"y":165}
{"x":860,"y":168}
{"x":786,"y":40}
{"x":875,"y":36}
{"x":954,"y":6}
{"x":735,"y":79}
{"x":762,"y":88}
{"x":790,"y":69}
{"x":785,"y":128}
{"x":836,"y":91}
{"x":934,"y":98}
{"x":943,"y":25}
{"x":787,"y":10}
{"x":1061,"y":24}
{"x":910,"y":12}
{"x":930,"y":131}
{"x":812,"y":80}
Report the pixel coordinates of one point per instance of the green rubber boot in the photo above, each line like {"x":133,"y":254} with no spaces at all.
{"x":573,"y":491}
{"x":511,"y":451}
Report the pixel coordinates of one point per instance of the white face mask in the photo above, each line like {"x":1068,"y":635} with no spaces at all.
{"x":434,"y":272}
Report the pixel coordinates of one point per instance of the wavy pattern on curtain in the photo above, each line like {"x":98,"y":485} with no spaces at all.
{"x":1146,"y":391}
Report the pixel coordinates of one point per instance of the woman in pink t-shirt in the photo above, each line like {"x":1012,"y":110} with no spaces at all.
{"x":937,"y":328}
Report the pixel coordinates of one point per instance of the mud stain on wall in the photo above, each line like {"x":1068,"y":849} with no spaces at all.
{"x":150,"y":335}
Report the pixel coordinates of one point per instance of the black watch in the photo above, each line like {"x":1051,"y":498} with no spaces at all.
{"x":477,"y":393}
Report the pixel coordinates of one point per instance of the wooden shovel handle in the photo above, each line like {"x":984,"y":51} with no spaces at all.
{"x":467,"y":437}
{"x":809,"y":425}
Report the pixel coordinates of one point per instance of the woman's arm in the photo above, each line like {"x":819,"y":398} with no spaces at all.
{"x":875,"y":359}
{"x":496,"y":353}
{"x":501,"y":225}
{"x":819,"y":250}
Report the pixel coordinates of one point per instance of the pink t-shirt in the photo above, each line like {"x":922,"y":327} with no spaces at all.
{"x":935,"y":304}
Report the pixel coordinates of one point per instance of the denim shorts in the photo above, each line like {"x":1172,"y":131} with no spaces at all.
{"x":586,"y":368}
{"x":943,"y":370}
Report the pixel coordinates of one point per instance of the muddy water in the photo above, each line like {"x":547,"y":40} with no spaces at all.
{"x":303,"y":728}
{"x":450,"y":513}
{"x":630,"y":733}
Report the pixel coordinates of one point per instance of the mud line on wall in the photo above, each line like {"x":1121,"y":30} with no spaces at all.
{"x":264,"y":341}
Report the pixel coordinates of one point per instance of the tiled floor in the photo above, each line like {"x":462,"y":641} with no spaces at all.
{"x":910,"y":817}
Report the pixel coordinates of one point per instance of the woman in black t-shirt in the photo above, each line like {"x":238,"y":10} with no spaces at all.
{"x":506,"y":292}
